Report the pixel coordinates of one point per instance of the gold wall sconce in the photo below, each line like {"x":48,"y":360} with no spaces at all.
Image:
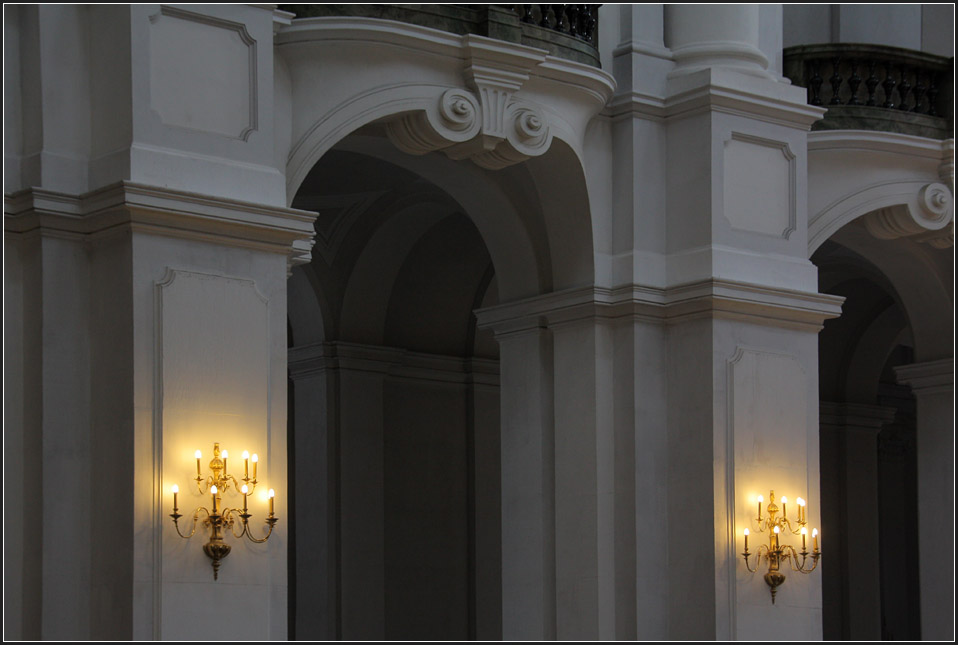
{"x":221,"y":519}
{"x":776,"y":553}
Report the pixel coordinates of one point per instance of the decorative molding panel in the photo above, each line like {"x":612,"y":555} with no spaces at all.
{"x":759,"y":185}
{"x":203,"y":73}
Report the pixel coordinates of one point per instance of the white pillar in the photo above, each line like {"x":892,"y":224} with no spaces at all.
{"x":715,"y":36}
{"x":584,"y":481}
{"x":315,"y":477}
{"x":740,"y":299}
{"x":932,"y":383}
{"x":528,"y":502}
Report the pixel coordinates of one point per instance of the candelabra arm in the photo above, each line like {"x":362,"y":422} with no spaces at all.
{"x":176,"y":523}
{"x":758,"y":557}
{"x":271,"y":520}
{"x":203,"y":485}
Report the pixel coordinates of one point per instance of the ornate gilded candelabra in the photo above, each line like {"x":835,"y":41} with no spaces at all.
{"x":221,"y":519}
{"x":774,"y":552}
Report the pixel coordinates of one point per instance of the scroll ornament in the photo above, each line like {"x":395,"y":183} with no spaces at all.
{"x":929,"y":219}
{"x":456,"y":125}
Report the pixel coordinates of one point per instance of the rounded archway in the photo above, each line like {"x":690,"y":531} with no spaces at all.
{"x":895,"y":312}
{"x":395,"y":404}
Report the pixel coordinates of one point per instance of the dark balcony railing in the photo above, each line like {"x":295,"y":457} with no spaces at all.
{"x":568,"y":31}
{"x":872,"y":87}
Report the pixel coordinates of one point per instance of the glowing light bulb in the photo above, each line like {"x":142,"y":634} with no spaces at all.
{"x":784,"y":500}
{"x":245,"y":490}
{"x":800,"y":501}
{"x":246,"y":454}
{"x":271,"y":493}
{"x":814,"y":532}
{"x":214,"y":491}
{"x":226,"y":455}
{"x":255,"y":458}
{"x":176,"y":489}
{"x":760,"y":499}
{"x":776,"y":530}
{"x":746,"y":532}
{"x":198,"y":454}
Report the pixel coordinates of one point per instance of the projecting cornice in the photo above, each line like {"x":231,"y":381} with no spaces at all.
{"x":161,"y":211}
{"x":706,"y":299}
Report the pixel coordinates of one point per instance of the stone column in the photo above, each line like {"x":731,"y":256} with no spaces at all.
{"x":932,"y":383}
{"x":528,"y":497}
{"x":850,"y":516}
{"x":314,"y":461}
{"x":585,"y":499}
{"x":568,"y":475}
{"x":162,"y":303}
{"x":152,"y":241}
{"x":741,"y":303}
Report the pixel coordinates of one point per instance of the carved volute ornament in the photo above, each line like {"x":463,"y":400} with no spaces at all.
{"x":930,"y":219}
{"x":487,"y":124}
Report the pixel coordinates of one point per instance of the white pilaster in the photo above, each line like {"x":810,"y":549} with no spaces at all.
{"x":933,"y":384}
{"x":528,"y":487}
{"x":852,"y":515}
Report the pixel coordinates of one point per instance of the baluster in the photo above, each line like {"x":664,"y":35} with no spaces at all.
{"x":588,"y":21}
{"x":572,"y":13}
{"x":836,"y":82}
{"x":932,"y":94}
{"x":853,"y":82}
{"x":527,"y":14}
{"x":919,"y":93}
{"x":903,"y":87}
{"x":815,"y":84}
{"x":559,"y":11}
{"x":871,"y":83}
{"x":544,"y":15}
{"x":889,"y":86}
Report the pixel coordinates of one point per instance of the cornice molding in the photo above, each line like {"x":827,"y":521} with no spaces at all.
{"x":707,"y":299}
{"x":317,"y":358}
{"x":872,"y":141}
{"x":931,"y":377}
{"x":719,"y":90}
{"x":846,"y":416}
{"x":161,"y":211}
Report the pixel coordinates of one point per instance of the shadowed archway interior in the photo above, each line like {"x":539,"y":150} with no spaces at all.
{"x":868,"y":450}
{"x":396,"y":422}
